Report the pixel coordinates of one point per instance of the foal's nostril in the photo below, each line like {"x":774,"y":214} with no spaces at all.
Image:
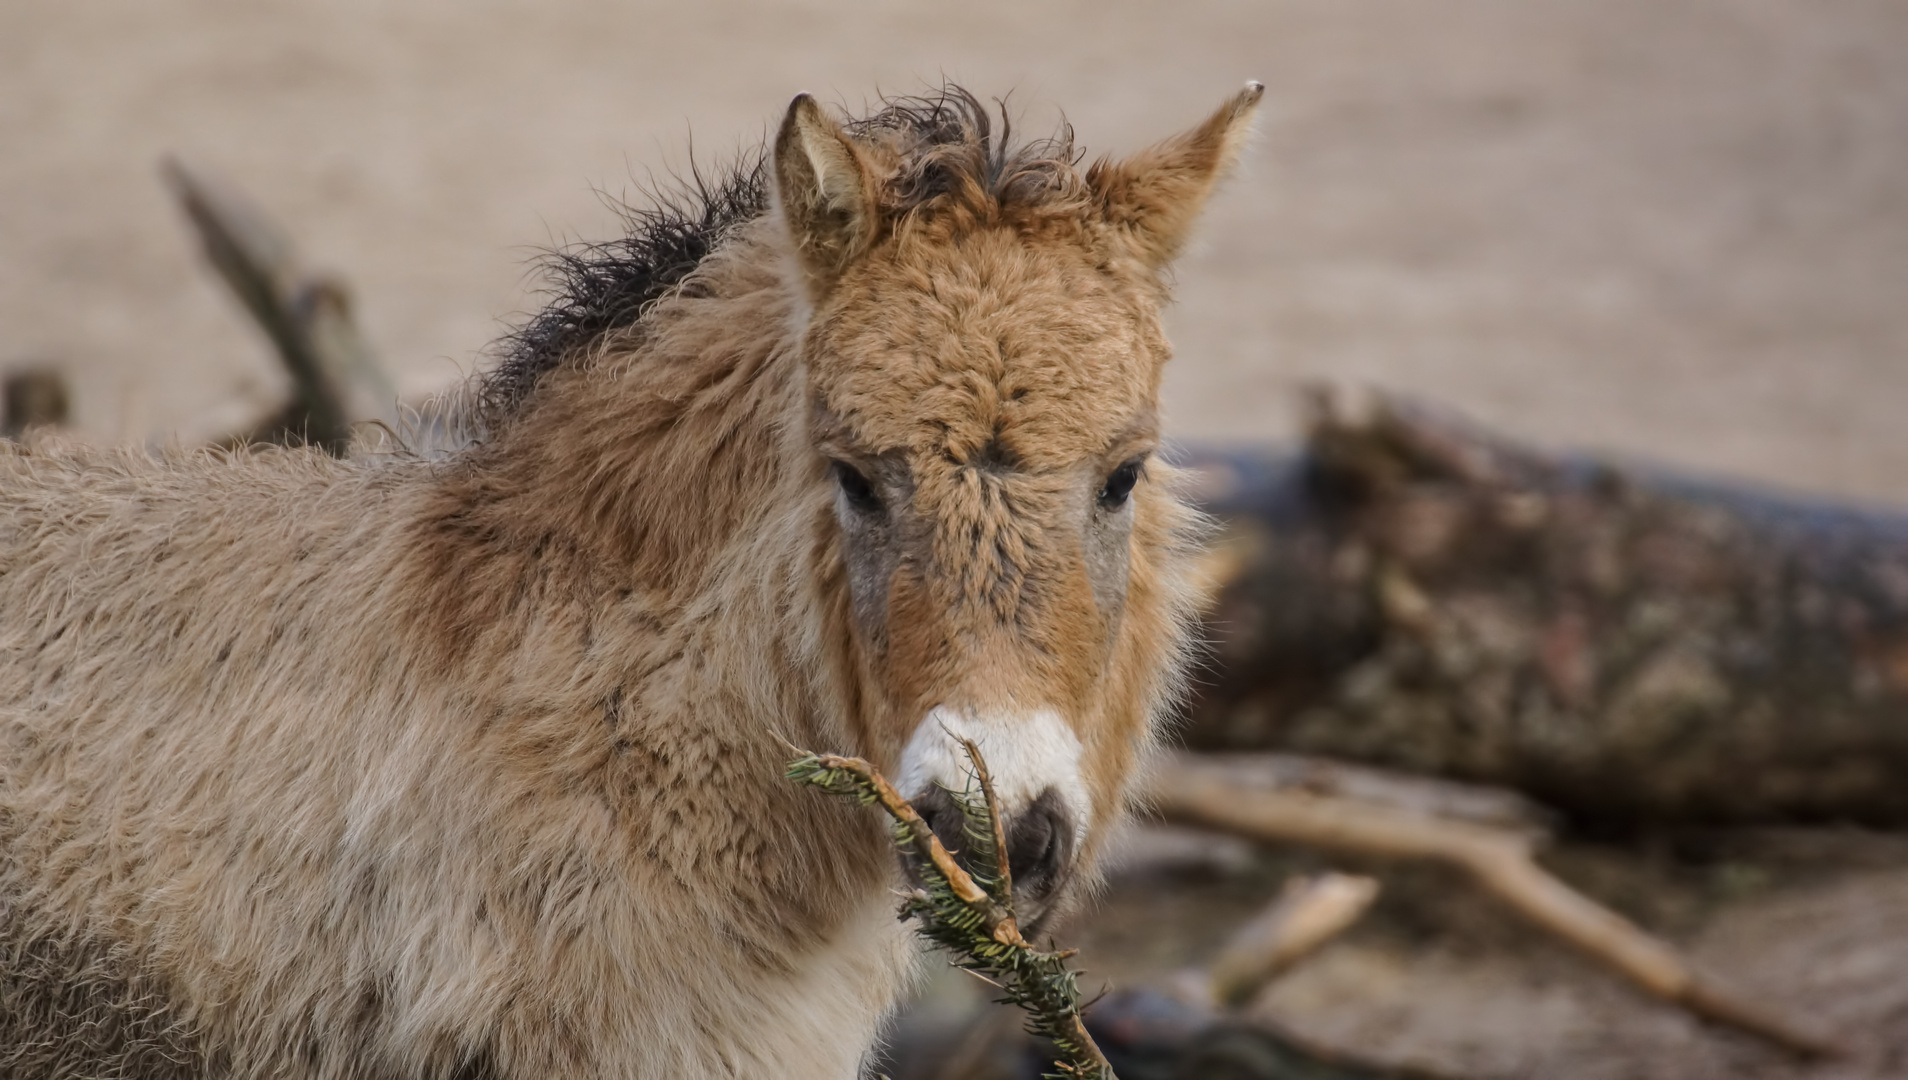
{"x":1039,"y":839}
{"x":937,"y":808}
{"x":1040,"y":846}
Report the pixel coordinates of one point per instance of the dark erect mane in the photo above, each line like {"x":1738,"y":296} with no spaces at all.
{"x":597,"y":289}
{"x":946,"y":147}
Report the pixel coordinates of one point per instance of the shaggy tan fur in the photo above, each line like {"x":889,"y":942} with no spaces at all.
{"x":471,"y":768}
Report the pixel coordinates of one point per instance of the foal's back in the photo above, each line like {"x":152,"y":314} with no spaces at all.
{"x":166,"y":718}
{"x":135,"y":590}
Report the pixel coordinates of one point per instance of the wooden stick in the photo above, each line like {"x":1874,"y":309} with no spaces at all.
{"x":997,"y":917}
{"x":1189,"y":792}
{"x":1308,"y":912}
{"x":1004,"y":874}
{"x":925,"y":841}
{"x":1001,"y":925}
{"x":307,"y":316}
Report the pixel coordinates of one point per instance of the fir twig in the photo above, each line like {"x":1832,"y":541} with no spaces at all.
{"x":970,"y":918}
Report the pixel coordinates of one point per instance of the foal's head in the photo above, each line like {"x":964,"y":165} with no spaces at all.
{"x":982,"y":356}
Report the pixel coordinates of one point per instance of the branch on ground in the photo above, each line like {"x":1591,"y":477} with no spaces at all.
{"x":1187,"y":791}
{"x":336,"y":379}
{"x":1308,"y":913}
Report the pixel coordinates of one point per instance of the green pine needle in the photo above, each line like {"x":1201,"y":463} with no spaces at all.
{"x":970,"y":915}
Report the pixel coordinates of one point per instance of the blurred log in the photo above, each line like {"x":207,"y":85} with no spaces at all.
{"x":32,"y":398}
{"x":1419,"y":796}
{"x":336,"y":378}
{"x":1625,"y":645}
{"x":1189,"y":791}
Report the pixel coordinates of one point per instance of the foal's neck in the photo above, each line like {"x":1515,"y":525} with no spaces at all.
{"x":663,"y":464}
{"x":645,"y":527}
{"x":653,"y":450}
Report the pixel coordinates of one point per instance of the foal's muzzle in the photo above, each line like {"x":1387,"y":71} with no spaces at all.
{"x":1039,"y":847}
{"x":1034,"y":760}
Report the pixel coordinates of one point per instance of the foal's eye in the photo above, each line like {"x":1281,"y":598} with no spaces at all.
{"x":856,"y":488}
{"x":1119,"y":484}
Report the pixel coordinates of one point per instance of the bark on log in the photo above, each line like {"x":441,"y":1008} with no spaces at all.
{"x":1624,"y":644}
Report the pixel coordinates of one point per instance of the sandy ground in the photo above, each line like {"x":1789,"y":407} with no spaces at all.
{"x":1672,"y":228}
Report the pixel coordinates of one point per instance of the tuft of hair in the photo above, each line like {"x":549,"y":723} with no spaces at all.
{"x":948,"y":154}
{"x":943,"y":152}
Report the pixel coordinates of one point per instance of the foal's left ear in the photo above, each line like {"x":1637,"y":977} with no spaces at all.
{"x":827,"y":193}
{"x":1153,"y":197}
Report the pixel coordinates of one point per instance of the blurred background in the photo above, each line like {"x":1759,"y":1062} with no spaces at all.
{"x":1664,"y":231}
{"x":1675,"y":228}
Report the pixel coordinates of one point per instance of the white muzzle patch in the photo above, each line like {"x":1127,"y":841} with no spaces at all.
{"x":1026,"y":753}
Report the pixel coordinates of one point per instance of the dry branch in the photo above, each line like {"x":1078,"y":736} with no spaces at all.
{"x":1189,"y":792}
{"x":1308,"y":912}
{"x":972,"y":920}
{"x":336,"y":378}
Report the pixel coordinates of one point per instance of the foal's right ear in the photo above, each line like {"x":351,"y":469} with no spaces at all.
{"x":827,"y":193}
{"x":1151,"y":198}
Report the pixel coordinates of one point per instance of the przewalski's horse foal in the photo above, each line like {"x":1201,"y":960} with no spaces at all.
{"x":472,"y":767}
